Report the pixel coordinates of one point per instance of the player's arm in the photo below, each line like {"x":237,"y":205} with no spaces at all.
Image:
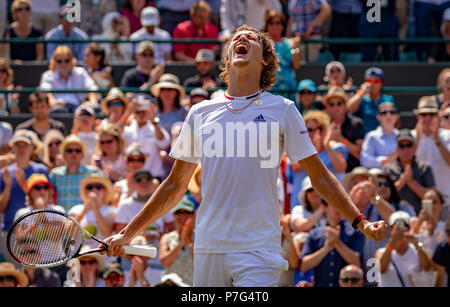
{"x":166,"y":196}
{"x":329,"y":188}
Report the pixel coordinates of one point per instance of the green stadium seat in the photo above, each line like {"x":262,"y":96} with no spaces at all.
{"x":408,"y":56}
{"x":350,"y":57}
{"x":325,"y":57}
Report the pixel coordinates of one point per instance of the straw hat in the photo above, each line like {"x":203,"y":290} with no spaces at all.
{"x":99,"y":258}
{"x":96,"y":178}
{"x":8,"y":269}
{"x":335,"y":91}
{"x":113,"y":94}
{"x":194,"y":185}
{"x":357,"y":171}
{"x":167,"y":81}
{"x":427,"y":105}
{"x":72,"y":139}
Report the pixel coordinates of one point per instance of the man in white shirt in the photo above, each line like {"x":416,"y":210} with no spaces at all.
{"x":145,"y":130}
{"x":433,"y":144}
{"x":238,"y":236}
{"x":150,"y":31}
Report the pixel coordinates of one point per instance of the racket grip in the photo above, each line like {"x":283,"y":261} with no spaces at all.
{"x":140,"y":251}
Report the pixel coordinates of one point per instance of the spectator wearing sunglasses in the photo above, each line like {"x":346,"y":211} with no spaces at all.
{"x":433,"y":143}
{"x":176,"y":252}
{"x":117,"y":108}
{"x":412,"y":177}
{"x":145,"y":129}
{"x":379,"y":146}
{"x":113,"y":275}
{"x":351,"y":276}
{"x":41,"y":123}
{"x":109,"y":156}
{"x":66,"y":179}
{"x":346,"y":128}
{"x":95,"y":213}
{"x":307,"y":96}
{"x":367,"y":99}
{"x":91,"y":267}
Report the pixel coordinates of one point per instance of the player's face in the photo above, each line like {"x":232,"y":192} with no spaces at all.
{"x":245,"y":50}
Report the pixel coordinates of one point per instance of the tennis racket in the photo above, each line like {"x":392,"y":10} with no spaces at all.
{"x":48,"y":238}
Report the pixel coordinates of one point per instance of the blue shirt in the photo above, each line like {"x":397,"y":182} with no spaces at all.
{"x":377,"y":145}
{"x":368,"y":110}
{"x":75,"y":33}
{"x":17,"y":198}
{"x":296,"y":178}
{"x":326,"y":274}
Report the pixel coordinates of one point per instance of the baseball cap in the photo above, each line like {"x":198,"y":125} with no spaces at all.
{"x":205,"y":55}
{"x":374,"y":72}
{"x":199,"y":92}
{"x":427,"y":105}
{"x":84,"y":111}
{"x":142,"y":173}
{"x":135,"y":149}
{"x":399,"y":216}
{"x":21,"y":135}
{"x":307,"y":84}
{"x":144,"y":46}
{"x":405,"y":135}
{"x":113,"y":268}
{"x":184,"y":204}
{"x":36,"y":179}
{"x":334,"y":64}
{"x":150,"y":17}
{"x":143,"y":104}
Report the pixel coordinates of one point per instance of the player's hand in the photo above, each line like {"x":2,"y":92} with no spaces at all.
{"x":116,"y":243}
{"x":375,"y":231}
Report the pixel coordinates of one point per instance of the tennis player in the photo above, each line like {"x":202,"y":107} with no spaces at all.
{"x":237,"y":231}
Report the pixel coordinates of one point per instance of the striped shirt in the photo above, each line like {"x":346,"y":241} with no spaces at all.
{"x":67,"y":185}
{"x":303,"y":12}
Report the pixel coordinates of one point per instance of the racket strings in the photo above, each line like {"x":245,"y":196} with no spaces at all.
{"x":45,"y":239}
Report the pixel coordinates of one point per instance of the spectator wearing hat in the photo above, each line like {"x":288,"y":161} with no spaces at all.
{"x":346,"y":128}
{"x":307,"y":96}
{"x":387,"y":28}
{"x":403,"y":256}
{"x":169,"y":94}
{"x":117,"y":107}
{"x":41,"y":123}
{"x":11,"y":277}
{"x":95,"y":213}
{"x":367,"y":99}
{"x":441,"y":258}
{"x":66,"y":30}
{"x":329,"y":248}
{"x":151,"y":31}
{"x":13,"y":181}
{"x":198,"y":27}
{"x":146,"y":130}
{"x":379,"y":146}
{"x":113,"y":275}
{"x":39,"y":196}
{"x":433,"y":143}
{"x":91,"y":267}
{"x":205,"y":64}
{"x":51,"y":156}
{"x":336,"y":75}
{"x":66,"y":179}
{"x":412,"y":177}
{"x":197,"y":95}
{"x":176,"y":251}
{"x":109,"y":154}
{"x":135,"y":158}
{"x":145,"y":74}
{"x":132,"y":11}
{"x":63,"y":74}
{"x":351,"y":276}
{"x":84,"y":124}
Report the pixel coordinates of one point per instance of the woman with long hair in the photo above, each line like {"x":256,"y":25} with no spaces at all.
{"x":97,"y":66}
{"x":132,"y":11}
{"x":9,"y":103}
{"x":52,"y":157}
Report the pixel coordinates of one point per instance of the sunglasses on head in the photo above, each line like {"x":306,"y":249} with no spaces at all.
{"x":353,"y":280}
{"x":59,"y":61}
{"x":114,"y":103}
{"x":392,"y":112}
{"x":40,"y":187}
{"x":7,"y":278}
{"x":107,"y":142}
{"x":144,"y":179}
{"x":407,"y":145}
{"x":72,"y":150}
{"x":97,"y":186}
{"x":83,"y":262}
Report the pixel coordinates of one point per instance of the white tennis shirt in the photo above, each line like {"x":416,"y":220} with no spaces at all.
{"x":240,"y":154}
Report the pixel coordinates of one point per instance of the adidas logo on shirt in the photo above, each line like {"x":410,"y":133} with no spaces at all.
{"x":260,"y":119}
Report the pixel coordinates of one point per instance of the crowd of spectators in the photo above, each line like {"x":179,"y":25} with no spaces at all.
{"x":107,"y":164}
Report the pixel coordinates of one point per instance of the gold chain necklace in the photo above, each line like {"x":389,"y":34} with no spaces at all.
{"x":241,"y":109}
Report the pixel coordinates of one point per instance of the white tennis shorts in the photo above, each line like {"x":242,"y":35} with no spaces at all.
{"x":260,"y":268}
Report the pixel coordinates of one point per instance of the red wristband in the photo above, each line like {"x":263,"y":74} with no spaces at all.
{"x":389,"y":248}
{"x":358,"y":219}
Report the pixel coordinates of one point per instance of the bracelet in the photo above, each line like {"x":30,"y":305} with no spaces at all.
{"x":389,"y":248}
{"x":295,"y":51}
{"x":345,"y":141}
{"x":360,"y":93}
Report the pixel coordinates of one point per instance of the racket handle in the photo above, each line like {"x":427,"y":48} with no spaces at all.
{"x":140,"y":251}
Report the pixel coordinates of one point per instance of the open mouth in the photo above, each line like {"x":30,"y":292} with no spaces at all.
{"x":241,"y":49}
